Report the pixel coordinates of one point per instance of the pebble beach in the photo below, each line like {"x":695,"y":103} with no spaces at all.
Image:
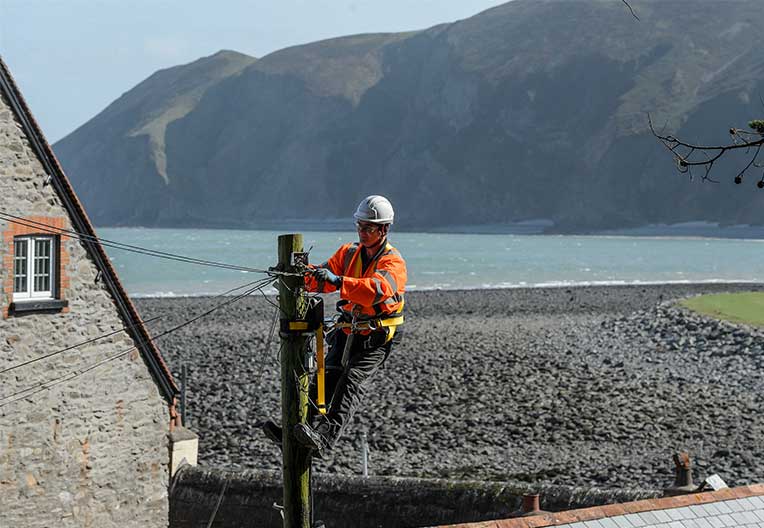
{"x":580,"y":386}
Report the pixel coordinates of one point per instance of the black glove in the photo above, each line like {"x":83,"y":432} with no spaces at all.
{"x":325,"y":275}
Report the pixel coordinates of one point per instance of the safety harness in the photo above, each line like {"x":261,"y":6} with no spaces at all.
{"x":354,"y":267}
{"x":358,"y":324}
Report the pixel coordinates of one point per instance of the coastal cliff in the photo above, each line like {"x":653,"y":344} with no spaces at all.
{"x":534,"y":109}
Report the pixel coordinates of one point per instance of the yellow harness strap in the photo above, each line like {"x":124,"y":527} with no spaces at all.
{"x":355,"y":269}
{"x":373,"y":324}
{"x":391,"y":330}
{"x":321,"y":374}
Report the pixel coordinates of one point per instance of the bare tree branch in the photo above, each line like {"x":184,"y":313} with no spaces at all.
{"x":689,"y":155}
{"x":630,"y":9}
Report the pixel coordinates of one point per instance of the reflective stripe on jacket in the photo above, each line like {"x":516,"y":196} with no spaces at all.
{"x":378,"y":291}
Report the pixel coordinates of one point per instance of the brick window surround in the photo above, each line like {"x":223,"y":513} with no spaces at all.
{"x":62,"y":262}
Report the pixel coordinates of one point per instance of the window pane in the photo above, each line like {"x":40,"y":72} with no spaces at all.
{"x":20,"y":266}
{"x":42,"y":248}
{"x":42,"y":265}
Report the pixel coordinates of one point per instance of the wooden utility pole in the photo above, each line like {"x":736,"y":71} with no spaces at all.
{"x":294,"y":389}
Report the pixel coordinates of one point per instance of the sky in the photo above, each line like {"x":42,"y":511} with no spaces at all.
{"x":71,"y":58}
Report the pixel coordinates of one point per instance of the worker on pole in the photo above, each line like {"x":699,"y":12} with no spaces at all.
{"x":370,"y":276}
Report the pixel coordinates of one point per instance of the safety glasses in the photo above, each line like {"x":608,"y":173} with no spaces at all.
{"x":363,"y":227}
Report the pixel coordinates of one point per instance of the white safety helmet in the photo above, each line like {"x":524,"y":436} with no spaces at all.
{"x":375,"y":209}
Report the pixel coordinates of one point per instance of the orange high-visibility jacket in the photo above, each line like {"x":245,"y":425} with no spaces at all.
{"x":377,"y":291}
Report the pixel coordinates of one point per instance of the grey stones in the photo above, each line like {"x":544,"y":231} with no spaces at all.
{"x":529,"y":386}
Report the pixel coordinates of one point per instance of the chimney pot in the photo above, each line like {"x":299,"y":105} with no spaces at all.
{"x":530,"y":505}
{"x":682,"y":476}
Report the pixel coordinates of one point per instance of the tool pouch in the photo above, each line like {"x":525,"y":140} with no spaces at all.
{"x":315,"y":314}
{"x":375,"y":339}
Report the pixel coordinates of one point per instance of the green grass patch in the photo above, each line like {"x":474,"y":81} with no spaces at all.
{"x":746,"y":307}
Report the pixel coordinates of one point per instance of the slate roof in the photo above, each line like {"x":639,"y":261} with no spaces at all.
{"x":133,"y":323}
{"x":729,"y":507}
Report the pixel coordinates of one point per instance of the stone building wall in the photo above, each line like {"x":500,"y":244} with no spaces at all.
{"x":91,"y":451}
{"x":246,"y":498}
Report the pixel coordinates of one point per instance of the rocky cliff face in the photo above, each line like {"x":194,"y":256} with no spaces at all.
{"x":533,"y":109}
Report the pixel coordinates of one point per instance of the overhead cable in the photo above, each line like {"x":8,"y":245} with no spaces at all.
{"x":78,"y":345}
{"x":133,"y":248}
{"x":122,"y":329}
{"x":35,"y":389}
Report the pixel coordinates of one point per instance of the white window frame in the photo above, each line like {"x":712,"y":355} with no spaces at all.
{"x":30,"y":294}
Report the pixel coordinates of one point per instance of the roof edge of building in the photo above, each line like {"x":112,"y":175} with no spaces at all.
{"x":82,"y":224}
{"x":614,"y":510}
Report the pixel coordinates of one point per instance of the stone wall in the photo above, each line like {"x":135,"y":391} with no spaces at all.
{"x":91,"y":451}
{"x":246,"y":499}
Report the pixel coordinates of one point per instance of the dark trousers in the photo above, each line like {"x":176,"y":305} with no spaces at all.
{"x":345,"y":387}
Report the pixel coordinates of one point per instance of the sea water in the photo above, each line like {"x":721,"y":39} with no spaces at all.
{"x":439,"y":261}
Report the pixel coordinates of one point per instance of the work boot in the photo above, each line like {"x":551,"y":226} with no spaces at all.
{"x":310,"y":438}
{"x":273,"y":432}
